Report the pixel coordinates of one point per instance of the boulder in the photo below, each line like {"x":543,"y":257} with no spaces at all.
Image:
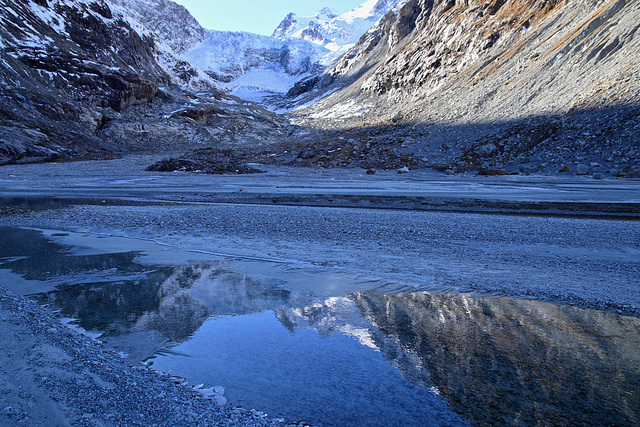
{"x":629,"y":172}
{"x":582,"y":169}
{"x":485,"y":150}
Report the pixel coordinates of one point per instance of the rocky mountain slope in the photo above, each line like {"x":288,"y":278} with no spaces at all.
{"x":174,"y":31}
{"x":77,"y":79}
{"x":168,"y":21}
{"x":492,"y":86}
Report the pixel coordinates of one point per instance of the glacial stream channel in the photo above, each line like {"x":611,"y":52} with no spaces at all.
{"x":316,"y":344}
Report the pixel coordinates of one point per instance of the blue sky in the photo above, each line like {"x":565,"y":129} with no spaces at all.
{"x":260,"y":17}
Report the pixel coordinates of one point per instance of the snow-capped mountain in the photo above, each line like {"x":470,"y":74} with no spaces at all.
{"x":338,"y":33}
{"x":251,"y":66}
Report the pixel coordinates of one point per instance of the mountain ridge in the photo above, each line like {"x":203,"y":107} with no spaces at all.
{"x":338,"y":33}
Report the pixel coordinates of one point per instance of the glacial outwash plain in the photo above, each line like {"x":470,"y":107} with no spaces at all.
{"x":413,"y":213}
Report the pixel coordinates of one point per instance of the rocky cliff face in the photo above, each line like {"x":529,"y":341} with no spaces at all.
{"x":77,"y":79}
{"x":502,"y":79}
{"x":174,"y":30}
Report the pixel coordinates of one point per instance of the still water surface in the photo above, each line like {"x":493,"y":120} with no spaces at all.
{"x":301,"y":342}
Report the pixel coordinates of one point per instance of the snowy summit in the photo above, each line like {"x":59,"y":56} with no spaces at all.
{"x":338,"y":33}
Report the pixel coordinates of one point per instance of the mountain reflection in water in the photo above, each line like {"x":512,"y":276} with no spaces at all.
{"x":494,"y":360}
{"x":509,"y":361}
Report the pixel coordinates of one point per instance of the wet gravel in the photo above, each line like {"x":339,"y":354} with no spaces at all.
{"x":58,"y":377}
{"x":585,"y":262}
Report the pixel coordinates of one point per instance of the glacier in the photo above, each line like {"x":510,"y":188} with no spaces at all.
{"x":253,"y":66}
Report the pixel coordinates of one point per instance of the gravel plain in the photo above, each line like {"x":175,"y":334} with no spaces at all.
{"x":586,"y":262}
{"x":558,"y":251}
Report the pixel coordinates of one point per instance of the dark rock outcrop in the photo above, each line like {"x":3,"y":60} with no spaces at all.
{"x":210,"y":161}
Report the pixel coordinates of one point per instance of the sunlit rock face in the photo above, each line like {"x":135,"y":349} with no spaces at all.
{"x":506,"y":361}
{"x":496,"y":59}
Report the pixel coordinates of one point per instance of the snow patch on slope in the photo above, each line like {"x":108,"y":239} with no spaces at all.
{"x":49,"y":17}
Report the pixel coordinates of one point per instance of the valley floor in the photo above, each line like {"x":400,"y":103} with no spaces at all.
{"x":566,"y":240}
{"x":573,"y":240}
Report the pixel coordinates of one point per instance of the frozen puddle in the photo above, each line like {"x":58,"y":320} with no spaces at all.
{"x":314,"y":344}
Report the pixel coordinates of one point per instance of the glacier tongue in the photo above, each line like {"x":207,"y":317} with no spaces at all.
{"x":253,"y":66}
